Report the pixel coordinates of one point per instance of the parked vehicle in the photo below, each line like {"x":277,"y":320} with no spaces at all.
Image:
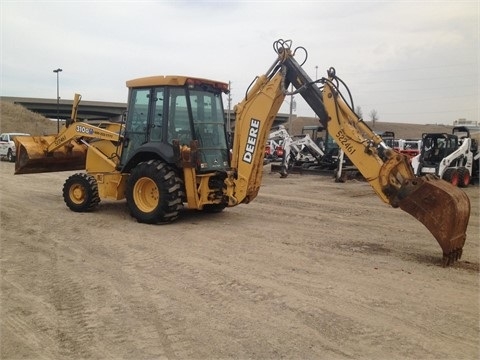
{"x":449,"y":156}
{"x":7,"y":145}
{"x":410,"y":147}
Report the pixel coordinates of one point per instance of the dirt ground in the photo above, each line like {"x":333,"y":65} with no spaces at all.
{"x":312,"y":269}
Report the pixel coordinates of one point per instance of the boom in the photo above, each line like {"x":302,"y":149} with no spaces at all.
{"x":442,"y":208}
{"x":254,"y":118}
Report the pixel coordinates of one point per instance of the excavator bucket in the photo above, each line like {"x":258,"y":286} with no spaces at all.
{"x":33,"y":155}
{"x":442,"y":208}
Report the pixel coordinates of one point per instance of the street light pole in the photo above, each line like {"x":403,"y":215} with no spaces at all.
{"x":316,"y":78}
{"x":58,"y":100}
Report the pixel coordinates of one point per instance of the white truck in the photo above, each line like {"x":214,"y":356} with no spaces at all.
{"x":7,"y":145}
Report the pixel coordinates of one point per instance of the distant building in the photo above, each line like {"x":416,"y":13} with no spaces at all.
{"x":467,"y":123}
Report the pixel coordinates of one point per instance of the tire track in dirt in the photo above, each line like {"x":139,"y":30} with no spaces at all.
{"x":26,"y":326}
{"x":76,"y":324}
{"x":203,"y":286}
{"x":232,"y":293}
{"x":159,"y":332}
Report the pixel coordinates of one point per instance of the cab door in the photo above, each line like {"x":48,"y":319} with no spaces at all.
{"x":145,"y":121}
{"x":136,"y":126}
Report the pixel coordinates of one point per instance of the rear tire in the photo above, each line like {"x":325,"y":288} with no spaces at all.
{"x":80,"y":192}
{"x":451,"y":176}
{"x":463,"y":177}
{"x":154,"y":193}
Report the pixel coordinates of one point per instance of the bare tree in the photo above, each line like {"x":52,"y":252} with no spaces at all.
{"x":373,"y":117}
{"x":358,"y":111}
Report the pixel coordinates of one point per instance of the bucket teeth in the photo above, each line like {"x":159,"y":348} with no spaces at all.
{"x":452,"y":257}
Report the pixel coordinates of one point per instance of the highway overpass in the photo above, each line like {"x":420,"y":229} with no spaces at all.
{"x":87,"y":110}
{"x":92,"y":110}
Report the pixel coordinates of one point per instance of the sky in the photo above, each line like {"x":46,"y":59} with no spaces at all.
{"x":407,"y":61}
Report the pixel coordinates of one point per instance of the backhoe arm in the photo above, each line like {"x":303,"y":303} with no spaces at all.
{"x":441,"y":207}
{"x":381,"y":166}
{"x":254,"y":118}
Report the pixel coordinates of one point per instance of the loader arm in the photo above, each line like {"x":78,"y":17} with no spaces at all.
{"x":442,"y":208}
{"x":280,"y":133}
{"x":81,"y":130}
{"x":301,"y":146}
{"x":62,"y":152}
{"x":307,"y":142}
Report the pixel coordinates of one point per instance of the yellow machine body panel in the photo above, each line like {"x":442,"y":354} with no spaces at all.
{"x":255,"y":117}
{"x":111,"y":185}
{"x":102,"y":156}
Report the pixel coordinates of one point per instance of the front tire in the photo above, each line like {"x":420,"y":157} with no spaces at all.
{"x":80,"y":192}
{"x":154,"y":193}
{"x":451,"y":175}
{"x":463,"y":177}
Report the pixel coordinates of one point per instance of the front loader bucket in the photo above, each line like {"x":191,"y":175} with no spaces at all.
{"x":442,"y":208}
{"x":32,"y":155}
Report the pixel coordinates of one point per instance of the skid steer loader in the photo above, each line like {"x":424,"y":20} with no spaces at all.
{"x":172,"y":151}
{"x":449,"y":156}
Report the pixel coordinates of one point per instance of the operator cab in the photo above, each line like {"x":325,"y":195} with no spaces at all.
{"x":437,"y":146}
{"x":167,"y":109}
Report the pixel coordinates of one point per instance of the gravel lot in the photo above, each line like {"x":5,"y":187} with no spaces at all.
{"x":311,"y":269}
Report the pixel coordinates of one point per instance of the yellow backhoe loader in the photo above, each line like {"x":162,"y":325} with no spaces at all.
{"x":172,"y":151}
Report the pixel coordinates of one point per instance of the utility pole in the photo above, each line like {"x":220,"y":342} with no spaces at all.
{"x":292,"y":107}
{"x":58,"y":99}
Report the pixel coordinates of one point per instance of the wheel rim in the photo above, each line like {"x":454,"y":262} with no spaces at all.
{"x":146,"y":194}
{"x":466,"y":179}
{"x":454,"y":180}
{"x":77,"y":194}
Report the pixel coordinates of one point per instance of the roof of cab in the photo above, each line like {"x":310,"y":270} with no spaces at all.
{"x":171,"y":80}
